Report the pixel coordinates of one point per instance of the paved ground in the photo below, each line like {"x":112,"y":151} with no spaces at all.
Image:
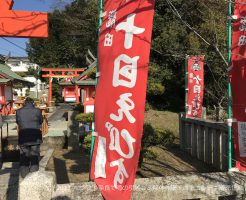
{"x":9,"y":181}
{"x":9,"y":172}
{"x":61,"y":113}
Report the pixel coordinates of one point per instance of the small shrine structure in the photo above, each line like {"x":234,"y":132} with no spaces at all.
{"x":7,"y":79}
{"x":86,"y":88}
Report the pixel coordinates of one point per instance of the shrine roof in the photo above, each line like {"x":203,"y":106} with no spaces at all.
{"x":12,"y":76}
{"x":87,"y":82}
{"x":82,"y":79}
{"x":4,"y":80}
{"x":90,"y":68}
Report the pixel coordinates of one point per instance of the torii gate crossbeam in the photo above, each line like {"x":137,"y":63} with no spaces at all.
{"x":61,"y":73}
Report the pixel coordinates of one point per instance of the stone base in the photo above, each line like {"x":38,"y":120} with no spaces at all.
{"x":51,"y":109}
{"x":55,"y":142}
{"x":38,"y":185}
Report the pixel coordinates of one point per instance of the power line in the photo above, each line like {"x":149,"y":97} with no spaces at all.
{"x":176,"y":13}
{"x":20,"y":47}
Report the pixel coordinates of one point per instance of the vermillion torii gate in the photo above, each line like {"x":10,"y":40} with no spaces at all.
{"x":61,"y":73}
{"x":15,"y":23}
{"x":21,"y":23}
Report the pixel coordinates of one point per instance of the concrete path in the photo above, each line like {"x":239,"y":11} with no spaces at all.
{"x":9,"y":173}
{"x":61,"y":113}
{"x":9,"y":181}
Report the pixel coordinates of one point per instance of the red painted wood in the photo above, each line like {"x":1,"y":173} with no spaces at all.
{"x":22,"y":23}
{"x":50,"y":91}
{"x":59,"y":76}
{"x":63,"y":69}
{"x":77,"y":93}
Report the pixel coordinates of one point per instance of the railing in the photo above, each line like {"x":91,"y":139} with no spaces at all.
{"x":205,"y":140}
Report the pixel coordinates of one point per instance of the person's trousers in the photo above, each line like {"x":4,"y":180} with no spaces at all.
{"x":29,"y":159}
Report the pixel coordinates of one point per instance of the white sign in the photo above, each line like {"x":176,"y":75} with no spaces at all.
{"x":242,"y":138}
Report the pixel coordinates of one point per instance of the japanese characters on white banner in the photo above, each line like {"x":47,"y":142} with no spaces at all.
{"x":195,"y":86}
{"x":124,"y":46}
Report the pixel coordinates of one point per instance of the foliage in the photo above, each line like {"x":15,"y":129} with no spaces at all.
{"x":152,"y":137}
{"x":79,"y":107}
{"x":18,"y":85}
{"x":172,"y":40}
{"x":74,"y":30}
{"x":21,"y":74}
{"x":27,"y":92}
{"x":86,"y":144}
{"x":85,"y":117}
{"x":56,"y":91}
{"x":149,"y":154}
{"x":147,"y":106}
{"x":92,"y":74}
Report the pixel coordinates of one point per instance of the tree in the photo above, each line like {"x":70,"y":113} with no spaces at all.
{"x":190,"y":27}
{"x":180,"y":27}
{"x":72,"y":32}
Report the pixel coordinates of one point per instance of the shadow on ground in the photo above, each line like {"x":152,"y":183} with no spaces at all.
{"x":172,"y":161}
{"x":70,"y":166}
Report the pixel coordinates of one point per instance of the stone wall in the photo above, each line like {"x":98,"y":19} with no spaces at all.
{"x":212,"y":186}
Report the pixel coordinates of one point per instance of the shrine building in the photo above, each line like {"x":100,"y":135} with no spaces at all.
{"x":7,"y":79}
{"x":85,"y":84}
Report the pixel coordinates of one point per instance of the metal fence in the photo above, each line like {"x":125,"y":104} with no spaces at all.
{"x":205,"y":140}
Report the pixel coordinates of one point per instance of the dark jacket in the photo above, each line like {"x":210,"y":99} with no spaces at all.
{"x":29,"y":120}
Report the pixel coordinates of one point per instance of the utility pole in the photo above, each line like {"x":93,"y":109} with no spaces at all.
{"x":186,"y":83}
{"x":97,"y":71}
{"x":229,"y":86}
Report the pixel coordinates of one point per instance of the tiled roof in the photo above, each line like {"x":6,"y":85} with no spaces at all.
{"x":81,"y":82}
{"x":90,"y":68}
{"x":86,"y":82}
{"x":9,"y":74}
{"x":78,"y":81}
{"x":4,"y":80}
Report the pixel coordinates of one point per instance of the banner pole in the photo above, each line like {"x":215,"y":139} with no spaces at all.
{"x":97,"y":70}
{"x":186,"y":89}
{"x":229,"y":86}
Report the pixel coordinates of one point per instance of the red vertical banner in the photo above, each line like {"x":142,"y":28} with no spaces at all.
{"x":124,"y":47}
{"x":238,"y":82}
{"x":195,"y":86}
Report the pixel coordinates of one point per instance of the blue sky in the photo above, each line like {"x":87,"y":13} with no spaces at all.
{"x":33,"y":5}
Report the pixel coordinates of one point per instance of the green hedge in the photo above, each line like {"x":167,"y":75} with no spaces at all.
{"x":79,"y":107}
{"x":85,"y":117}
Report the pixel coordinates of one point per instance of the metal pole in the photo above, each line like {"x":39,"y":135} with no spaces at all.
{"x":186,"y":89}
{"x":229,"y":86}
{"x":97,"y":70}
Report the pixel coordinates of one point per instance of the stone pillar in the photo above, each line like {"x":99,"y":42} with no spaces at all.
{"x":73,"y":131}
{"x":204,"y":113}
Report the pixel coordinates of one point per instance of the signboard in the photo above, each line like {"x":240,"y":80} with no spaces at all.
{"x":195,"y":86}
{"x":124,"y":47}
{"x":238,"y":82}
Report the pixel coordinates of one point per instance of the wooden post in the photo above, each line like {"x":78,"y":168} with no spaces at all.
{"x":64,"y":93}
{"x":50,"y":91}
{"x":77,"y":93}
{"x":12,"y":100}
{"x":3,"y":101}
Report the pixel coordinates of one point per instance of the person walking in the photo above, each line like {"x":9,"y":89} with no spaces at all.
{"x":29,"y":120}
